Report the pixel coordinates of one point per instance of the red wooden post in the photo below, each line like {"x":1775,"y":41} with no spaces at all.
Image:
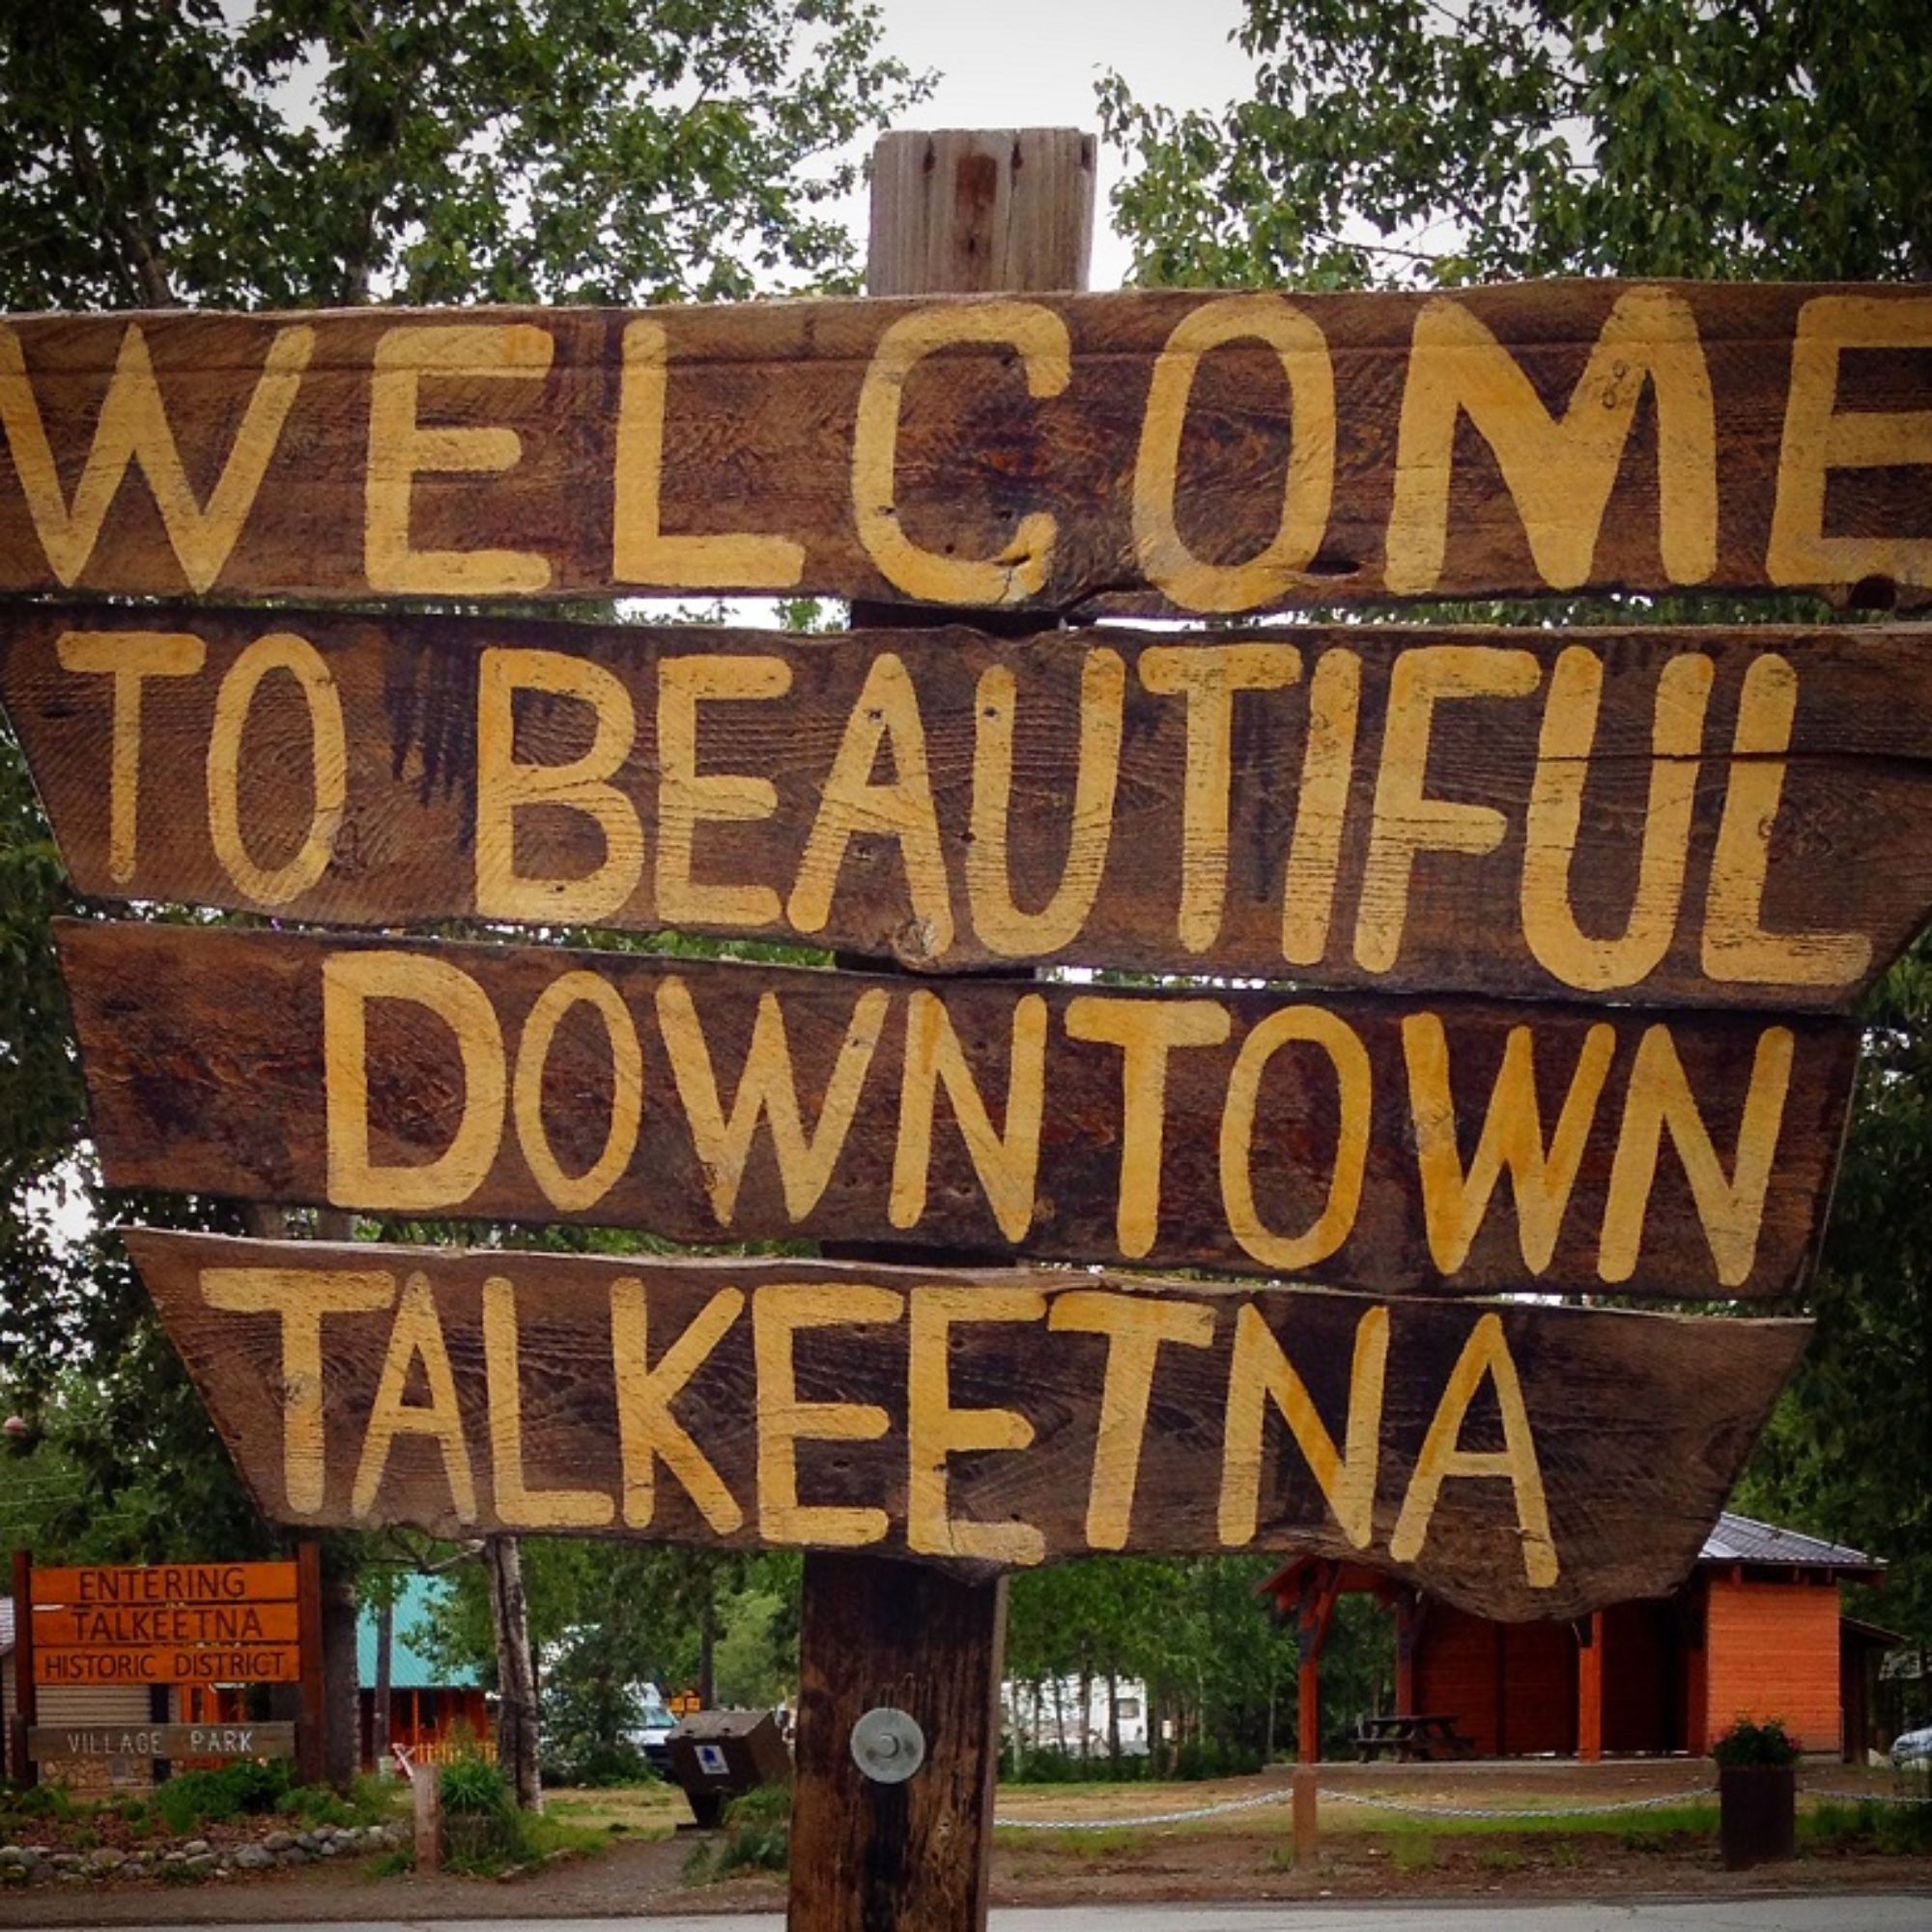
{"x":25,"y":1715}
{"x":951,"y":212}
{"x":1321,"y":1587}
{"x":1410,"y":1609}
{"x":1590,"y":1689}
{"x":312,"y":1736}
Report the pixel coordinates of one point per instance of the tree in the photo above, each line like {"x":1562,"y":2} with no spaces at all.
{"x":311,"y":153}
{"x":1411,"y":141}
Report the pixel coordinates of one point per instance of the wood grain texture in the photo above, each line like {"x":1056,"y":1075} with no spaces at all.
{"x":193,"y":1624}
{"x":1552,"y":857}
{"x":1278,"y":1135}
{"x":1636,"y":1425}
{"x":496,"y":454}
{"x":912,"y":1636}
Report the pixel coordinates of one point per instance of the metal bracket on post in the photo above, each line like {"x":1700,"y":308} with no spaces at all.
{"x":888,"y":1745}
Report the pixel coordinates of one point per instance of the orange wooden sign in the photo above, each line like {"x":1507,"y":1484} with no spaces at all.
{"x":166,"y":1583}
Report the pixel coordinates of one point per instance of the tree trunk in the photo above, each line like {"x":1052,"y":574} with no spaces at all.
{"x":342,"y":1724}
{"x":707,"y":1648}
{"x":516,"y":1674}
{"x":385,"y":1656}
{"x":1114,"y":1720}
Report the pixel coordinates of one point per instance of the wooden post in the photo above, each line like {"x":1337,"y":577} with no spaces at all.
{"x":312,"y":1735}
{"x":963,"y":212}
{"x":1590,"y":1689}
{"x":25,"y":1715}
{"x":1321,"y":1586}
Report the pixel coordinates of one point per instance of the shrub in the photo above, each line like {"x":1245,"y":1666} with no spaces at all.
{"x":1765,"y":1744}
{"x":482,"y":1829}
{"x":210,"y":1796}
{"x":758,"y":1837}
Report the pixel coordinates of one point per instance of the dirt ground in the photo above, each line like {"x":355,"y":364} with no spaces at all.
{"x":1366,"y":1854}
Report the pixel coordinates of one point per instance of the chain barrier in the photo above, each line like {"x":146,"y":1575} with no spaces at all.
{"x":1866,"y":1796}
{"x":1657,"y":1804}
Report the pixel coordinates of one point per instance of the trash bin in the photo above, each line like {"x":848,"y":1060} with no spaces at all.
{"x":721,"y":1754}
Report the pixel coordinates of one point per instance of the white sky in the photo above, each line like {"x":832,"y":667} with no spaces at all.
{"x":1034,"y":64}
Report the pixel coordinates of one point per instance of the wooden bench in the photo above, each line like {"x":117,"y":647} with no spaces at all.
{"x":1413,"y":1737}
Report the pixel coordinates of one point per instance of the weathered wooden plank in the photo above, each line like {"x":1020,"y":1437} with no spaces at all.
{"x":1361,"y":1140}
{"x":52,"y":1743}
{"x":176,"y":1663}
{"x":1696,"y":816}
{"x":1518,"y":1459}
{"x":151,"y":1626}
{"x":101,"y":1586}
{"x":1231,"y":451}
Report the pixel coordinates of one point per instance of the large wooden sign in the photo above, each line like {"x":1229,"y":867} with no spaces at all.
{"x":1228,"y":452}
{"x":1487,"y":1453}
{"x":1674,"y":815}
{"x":1386,"y":1145}
{"x":166,"y":1623}
{"x":49,"y":1744}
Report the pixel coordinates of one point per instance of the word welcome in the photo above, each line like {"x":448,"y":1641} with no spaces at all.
{"x":1370,"y":1140}
{"x":1001,"y":1419}
{"x":1229,"y":452}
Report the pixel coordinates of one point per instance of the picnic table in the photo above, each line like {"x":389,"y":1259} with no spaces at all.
{"x":1412,"y":1736}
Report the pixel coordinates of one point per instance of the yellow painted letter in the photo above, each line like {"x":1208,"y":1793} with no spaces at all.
{"x":518,"y":1506}
{"x":128,"y":657}
{"x":1000,"y":923}
{"x":1135,"y":1326}
{"x":647,"y":1431}
{"x":1020,"y":569}
{"x":1730,"y":1210}
{"x":504,"y":787}
{"x":400,"y":448}
{"x":1485,"y":1358}
{"x":1147,"y":1032}
{"x":1406,"y":819}
{"x":349,"y":980}
{"x":328,"y":766}
{"x":417,"y":1335}
{"x":1819,"y":438}
{"x":572,"y":1194}
{"x":936,"y":1429}
{"x":1260,"y":1373}
{"x":1559,"y":471}
{"x":1006,"y":1166}
{"x":302,"y":1297}
{"x":132,"y":428}
{"x":784,"y":1421}
{"x":1307,"y":485}
{"x":640,"y":551}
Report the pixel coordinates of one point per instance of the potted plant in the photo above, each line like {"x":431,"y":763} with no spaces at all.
{"x":1757,"y":1793}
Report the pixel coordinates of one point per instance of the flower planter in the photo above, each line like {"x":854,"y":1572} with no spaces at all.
{"x":1757,"y":1813}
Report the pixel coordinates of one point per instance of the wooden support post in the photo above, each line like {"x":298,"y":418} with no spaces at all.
{"x":1412,"y":1610}
{"x":26,"y":1716}
{"x":1590,"y":1689}
{"x":1321,"y":1587}
{"x":312,"y":1733}
{"x":953,"y":212}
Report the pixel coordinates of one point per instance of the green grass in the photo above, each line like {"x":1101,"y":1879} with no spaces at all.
{"x":1103,"y":1843}
{"x":1413,"y":1851}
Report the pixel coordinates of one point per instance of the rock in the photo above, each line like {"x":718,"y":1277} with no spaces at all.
{"x":201,"y":1864}
{"x":174,"y":1857}
{"x":195,"y":1848}
{"x":253,"y":1858}
{"x":309,"y":1841}
{"x":293,"y":1857}
{"x":11,"y":1855}
{"x":107,"y":1859}
{"x":66,"y":1861}
{"x":279,"y":1842}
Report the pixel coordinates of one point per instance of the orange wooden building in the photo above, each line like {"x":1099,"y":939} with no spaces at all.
{"x":1756,"y":1631}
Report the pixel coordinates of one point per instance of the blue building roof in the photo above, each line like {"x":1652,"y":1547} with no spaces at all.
{"x":408,"y":1668}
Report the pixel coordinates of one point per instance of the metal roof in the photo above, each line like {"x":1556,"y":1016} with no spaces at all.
{"x":408,"y":1667}
{"x":1743,"y":1539}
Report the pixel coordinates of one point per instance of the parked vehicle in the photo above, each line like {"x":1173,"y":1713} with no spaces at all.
{"x":652,"y":1735}
{"x":1913,"y":1746}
